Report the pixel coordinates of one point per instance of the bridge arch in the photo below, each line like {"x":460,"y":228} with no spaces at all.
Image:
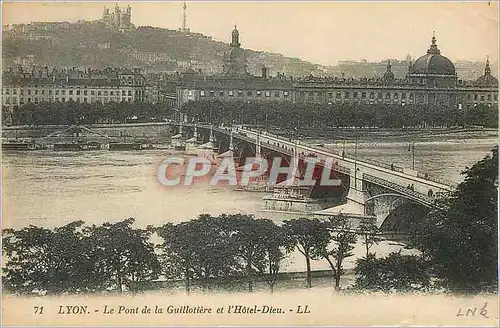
{"x":394,"y":212}
{"x":400,"y":220}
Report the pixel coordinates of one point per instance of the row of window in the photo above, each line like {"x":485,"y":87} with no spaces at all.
{"x":239,"y":93}
{"x":76,"y":92}
{"x":380,"y":95}
{"x":130,"y":82}
{"x":63,"y":86}
{"x":330,"y":95}
{"x":419,"y":100}
{"x":356,"y":94}
{"x":7,"y":100}
{"x":478,"y":97}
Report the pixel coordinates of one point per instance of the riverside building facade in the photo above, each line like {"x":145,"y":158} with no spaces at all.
{"x":430,"y":80}
{"x":88,"y":86}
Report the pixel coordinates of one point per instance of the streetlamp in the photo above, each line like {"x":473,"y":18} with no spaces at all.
{"x":356,"y":163}
{"x":343,"y":143}
{"x":411,"y":147}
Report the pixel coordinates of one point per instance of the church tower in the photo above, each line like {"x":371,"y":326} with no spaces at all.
{"x":234,"y":59}
{"x":235,"y":38}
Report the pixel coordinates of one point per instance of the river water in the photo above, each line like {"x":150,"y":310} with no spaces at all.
{"x":47,"y":188}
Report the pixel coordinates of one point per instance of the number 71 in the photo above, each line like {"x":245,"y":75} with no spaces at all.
{"x":38,"y":309}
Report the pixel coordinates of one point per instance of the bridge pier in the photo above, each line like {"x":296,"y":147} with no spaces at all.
{"x":357,"y":195}
{"x":192,"y":143}
{"x":354,"y":208}
{"x":178,"y":140}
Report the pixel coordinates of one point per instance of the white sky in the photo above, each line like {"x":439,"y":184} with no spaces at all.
{"x":320,"y":32}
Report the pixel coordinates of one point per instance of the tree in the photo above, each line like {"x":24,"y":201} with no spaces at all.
{"x":177,"y":253}
{"x":260,"y":245}
{"x":459,"y":236}
{"x":53,"y":261}
{"x":29,"y":261}
{"x":247,"y":236}
{"x":201,"y":247}
{"x":123,"y":255}
{"x":343,"y":243}
{"x":368,"y":231}
{"x":309,"y":236}
{"x":394,"y":272}
{"x":274,"y":247}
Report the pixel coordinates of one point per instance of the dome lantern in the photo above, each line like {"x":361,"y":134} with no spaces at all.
{"x":433,"y":49}
{"x":487,"y":69}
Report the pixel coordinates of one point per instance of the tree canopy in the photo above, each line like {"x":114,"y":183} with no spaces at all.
{"x":459,"y":237}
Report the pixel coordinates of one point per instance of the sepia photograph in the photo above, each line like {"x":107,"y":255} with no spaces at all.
{"x":249,"y":163}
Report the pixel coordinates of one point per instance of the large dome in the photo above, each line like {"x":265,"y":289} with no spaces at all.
{"x":433,"y":62}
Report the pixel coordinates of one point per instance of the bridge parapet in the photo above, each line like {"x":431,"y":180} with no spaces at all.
{"x":323,"y":153}
{"x":419,"y":174}
{"x":405,"y":191}
{"x":426,"y":176}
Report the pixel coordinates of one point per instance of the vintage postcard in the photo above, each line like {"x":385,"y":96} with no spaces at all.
{"x":249,"y":163}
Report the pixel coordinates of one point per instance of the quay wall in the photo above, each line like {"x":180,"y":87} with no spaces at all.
{"x":109,"y":130}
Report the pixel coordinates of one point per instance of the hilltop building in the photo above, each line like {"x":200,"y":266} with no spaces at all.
{"x":119,"y":20}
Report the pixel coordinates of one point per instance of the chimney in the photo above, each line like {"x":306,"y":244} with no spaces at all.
{"x":264,"y":72}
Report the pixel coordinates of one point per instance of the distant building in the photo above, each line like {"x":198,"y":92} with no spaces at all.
{"x":88,"y":86}
{"x":119,"y":20}
{"x":234,"y":59}
{"x":430,"y":80}
{"x":487,"y":80}
{"x":151,"y":57}
{"x":36,"y":31}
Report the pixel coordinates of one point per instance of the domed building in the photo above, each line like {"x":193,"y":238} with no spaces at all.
{"x":234,"y":58}
{"x":433,"y":69}
{"x":487,"y":80}
{"x":431,"y":80}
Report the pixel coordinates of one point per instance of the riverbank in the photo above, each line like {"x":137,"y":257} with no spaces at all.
{"x":411,"y":134}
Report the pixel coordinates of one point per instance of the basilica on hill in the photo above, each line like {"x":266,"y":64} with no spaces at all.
{"x":430,"y":80}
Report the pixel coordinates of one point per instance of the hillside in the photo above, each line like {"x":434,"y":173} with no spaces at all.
{"x":92,"y":44}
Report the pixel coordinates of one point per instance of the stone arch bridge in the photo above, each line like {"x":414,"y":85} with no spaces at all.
{"x":390,"y":196}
